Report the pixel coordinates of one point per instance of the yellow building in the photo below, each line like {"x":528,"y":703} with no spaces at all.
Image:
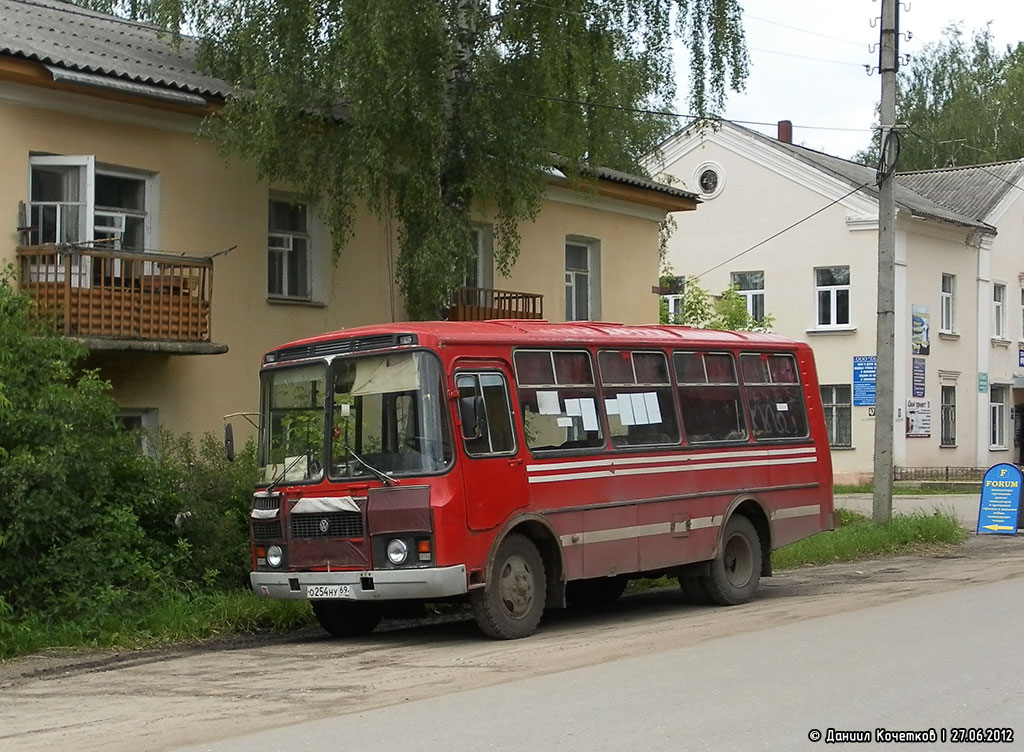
{"x":178,"y":269}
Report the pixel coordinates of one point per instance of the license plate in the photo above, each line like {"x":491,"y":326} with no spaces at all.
{"x":316,"y":592}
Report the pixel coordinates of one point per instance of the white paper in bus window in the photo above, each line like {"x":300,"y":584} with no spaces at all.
{"x":626,"y":410}
{"x":547,"y":403}
{"x":611,"y":406}
{"x":653,"y":408}
{"x":589,"y":414}
{"x":564,"y":422}
{"x":782,"y":407}
{"x":639,"y":409}
{"x":572,"y":407}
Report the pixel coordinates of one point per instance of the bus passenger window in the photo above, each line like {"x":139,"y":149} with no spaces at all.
{"x":638,"y":398}
{"x":485,"y":413}
{"x":558,"y":399}
{"x":709,"y":397}
{"x":774,"y":395}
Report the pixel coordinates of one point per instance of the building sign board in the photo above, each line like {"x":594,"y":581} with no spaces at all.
{"x":999,"y":511}
{"x":917,"y":377}
{"x":919,"y":418}
{"x":864,"y":376}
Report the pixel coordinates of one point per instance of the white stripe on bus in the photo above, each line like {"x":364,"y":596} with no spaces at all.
{"x":677,"y":468}
{"x":675,"y":457}
{"x":810,"y":510}
{"x":632,"y":532}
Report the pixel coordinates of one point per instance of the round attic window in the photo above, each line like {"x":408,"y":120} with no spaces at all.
{"x":709,"y":180}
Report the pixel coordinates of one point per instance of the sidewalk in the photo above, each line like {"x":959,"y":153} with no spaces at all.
{"x":963,"y":506}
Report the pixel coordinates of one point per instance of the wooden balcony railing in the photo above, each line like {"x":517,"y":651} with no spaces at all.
{"x":480,"y":303}
{"x":119,"y":295}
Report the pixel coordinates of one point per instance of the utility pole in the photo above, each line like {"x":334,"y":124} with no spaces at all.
{"x":888,"y":57}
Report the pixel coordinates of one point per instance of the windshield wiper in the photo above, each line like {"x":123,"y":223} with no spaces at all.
{"x":383,"y":477}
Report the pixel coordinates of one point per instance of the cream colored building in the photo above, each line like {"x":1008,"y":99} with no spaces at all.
{"x":797,"y":230}
{"x":179,"y":269}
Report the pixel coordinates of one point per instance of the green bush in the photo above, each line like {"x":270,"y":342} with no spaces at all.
{"x":90,"y":527}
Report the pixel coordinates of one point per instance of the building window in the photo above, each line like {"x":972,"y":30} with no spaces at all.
{"x":948,"y":416}
{"x":582,"y":281}
{"x":947,"y":309}
{"x":750,"y":285}
{"x":288,"y":250}
{"x":835,"y":399}
{"x":481,"y":273}
{"x":832,"y":290}
{"x":997,"y":417}
{"x":999,"y":311}
{"x":674,"y":308}
{"x":1022,"y":313}
{"x":72,"y":200}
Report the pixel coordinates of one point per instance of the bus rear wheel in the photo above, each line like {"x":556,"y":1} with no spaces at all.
{"x":347,"y":619}
{"x":736,"y":571}
{"x":510,"y":605}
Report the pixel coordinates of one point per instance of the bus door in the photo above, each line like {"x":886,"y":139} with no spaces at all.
{"x":493,"y":475}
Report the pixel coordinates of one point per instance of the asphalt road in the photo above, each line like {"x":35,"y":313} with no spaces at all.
{"x":963,"y":506}
{"x":936,"y":663}
{"x":905,"y":643}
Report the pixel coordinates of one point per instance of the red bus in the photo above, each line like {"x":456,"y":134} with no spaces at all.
{"x":524,"y":465}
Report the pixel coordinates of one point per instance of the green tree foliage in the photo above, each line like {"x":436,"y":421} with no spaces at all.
{"x":726,"y":311}
{"x":89,"y":525}
{"x":430,"y":110}
{"x":963,"y":101}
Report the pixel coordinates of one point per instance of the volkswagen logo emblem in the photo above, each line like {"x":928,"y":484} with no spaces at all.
{"x":325,"y":525}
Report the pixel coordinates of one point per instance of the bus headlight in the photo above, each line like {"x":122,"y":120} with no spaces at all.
{"x":398,"y":551}
{"x":275,"y":556}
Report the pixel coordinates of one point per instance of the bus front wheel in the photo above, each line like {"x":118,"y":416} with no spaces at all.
{"x":510,"y":605}
{"x":736,"y":572}
{"x":347,"y":619}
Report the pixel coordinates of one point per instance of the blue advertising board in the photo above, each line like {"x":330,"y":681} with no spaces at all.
{"x":1000,"y":500}
{"x":864,"y":376}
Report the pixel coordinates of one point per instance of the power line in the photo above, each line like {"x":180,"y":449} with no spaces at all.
{"x":805,"y":31}
{"x":815,"y":213}
{"x":807,"y":57}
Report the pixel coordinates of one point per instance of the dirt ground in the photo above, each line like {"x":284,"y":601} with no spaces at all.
{"x":166,"y":699}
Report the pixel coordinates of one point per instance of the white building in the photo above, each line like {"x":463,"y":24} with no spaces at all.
{"x":797,"y":231}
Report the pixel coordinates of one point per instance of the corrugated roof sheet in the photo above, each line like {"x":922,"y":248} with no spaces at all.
{"x":972,"y":190}
{"x":80,"y":39}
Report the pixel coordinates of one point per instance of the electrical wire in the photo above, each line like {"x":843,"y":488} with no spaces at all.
{"x":815,"y":213}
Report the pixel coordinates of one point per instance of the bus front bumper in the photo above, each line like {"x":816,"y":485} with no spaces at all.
{"x":372,"y":585}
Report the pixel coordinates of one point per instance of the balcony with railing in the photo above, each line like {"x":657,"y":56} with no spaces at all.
{"x":118,"y":300}
{"x":480,"y":303}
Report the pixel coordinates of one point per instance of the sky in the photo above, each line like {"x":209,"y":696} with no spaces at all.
{"x":807,"y":61}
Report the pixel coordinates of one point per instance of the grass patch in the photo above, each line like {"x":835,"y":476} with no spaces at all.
{"x":858,"y":537}
{"x":178,"y":618}
{"x":933,"y":488}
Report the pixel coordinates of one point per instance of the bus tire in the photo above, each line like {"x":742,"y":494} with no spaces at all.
{"x":509,"y":607}
{"x":736,"y":570}
{"x":596,"y":592}
{"x":694,"y":591}
{"x":347,"y":619}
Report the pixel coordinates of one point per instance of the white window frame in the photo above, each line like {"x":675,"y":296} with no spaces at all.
{"x":997,"y":416}
{"x":1022,"y":313}
{"x":998,"y":311}
{"x":947,"y":304}
{"x":750,"y":294}
{"x":833,"y":292}
{"x":590,"y":277}
{"x":675,"y":308}
{"x":482,"y":238}
{"x":85,"y":166}
{"x":282,"y":242}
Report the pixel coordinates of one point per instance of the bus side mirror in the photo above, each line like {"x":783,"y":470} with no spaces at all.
{"x":473,"y":416}
{"x":229,"y":442}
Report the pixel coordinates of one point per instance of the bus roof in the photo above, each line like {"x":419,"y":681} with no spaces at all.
{"x":533,"y":332}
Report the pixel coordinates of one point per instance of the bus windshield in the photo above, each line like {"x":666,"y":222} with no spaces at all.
{"x":383,"y":413}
